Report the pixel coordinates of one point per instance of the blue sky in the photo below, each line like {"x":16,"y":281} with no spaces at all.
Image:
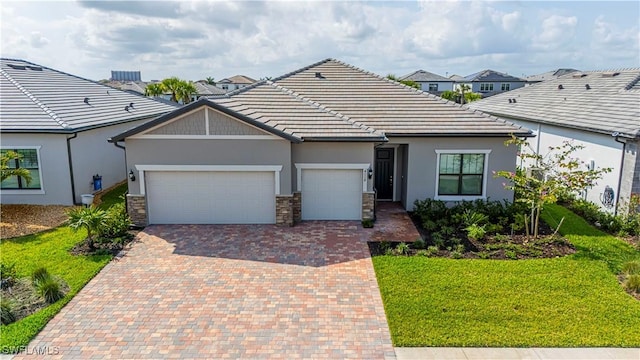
{"x":194,"y":40}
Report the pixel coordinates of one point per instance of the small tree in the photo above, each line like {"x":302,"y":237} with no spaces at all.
{"x":180,"y":90}
{"x":8,"y":171}
{"x":210,"y":80}
{"x":548,"y":176}
{"x":90,"y":218}
{"x":410,"y":83}
{"x":154,"y":89}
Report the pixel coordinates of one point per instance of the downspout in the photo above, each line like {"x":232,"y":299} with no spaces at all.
{"x":624,"y":149}
{"x":70,"y":159}
{"x":115,"y":143}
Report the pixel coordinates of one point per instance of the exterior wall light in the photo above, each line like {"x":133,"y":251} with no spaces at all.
{"x":370,"y":172}
{"x":132,"y":176}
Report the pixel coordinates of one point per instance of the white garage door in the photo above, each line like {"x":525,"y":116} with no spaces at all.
{"x":211,"y":197}
{"x":331,"y":194}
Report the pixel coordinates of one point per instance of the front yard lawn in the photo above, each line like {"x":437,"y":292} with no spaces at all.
{"x":563,"y":302}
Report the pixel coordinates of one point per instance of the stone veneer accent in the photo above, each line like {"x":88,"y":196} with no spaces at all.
{"x":297,"y":207}
{"x":284,"y":210}
{"x":137,"y":209}
{"x":368,"y":204}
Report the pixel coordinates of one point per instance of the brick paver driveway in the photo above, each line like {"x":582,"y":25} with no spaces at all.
{"x":230,"y":291}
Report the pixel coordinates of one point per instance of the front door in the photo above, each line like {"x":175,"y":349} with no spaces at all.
{"x":384,"y":173}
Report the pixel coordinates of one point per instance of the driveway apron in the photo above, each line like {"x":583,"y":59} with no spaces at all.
{"x":230,"y":291}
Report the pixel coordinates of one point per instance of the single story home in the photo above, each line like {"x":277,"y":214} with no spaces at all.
{"x":60,"y":123}
{"x":599,"y":110}
{"x":430,"y":82}
{"x":489,"y":82}
{"x":321,"y":143}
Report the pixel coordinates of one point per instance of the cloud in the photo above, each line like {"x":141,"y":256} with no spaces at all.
{"x":37,"y":40}
{"x":163,"y":9}
{"x":557,"y":31}
{"x":609,"y":40}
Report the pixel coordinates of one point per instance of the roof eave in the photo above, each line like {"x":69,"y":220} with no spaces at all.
{"x":517,"y":134}
{"x":345,"y":139}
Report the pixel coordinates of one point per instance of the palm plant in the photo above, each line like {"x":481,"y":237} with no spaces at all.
{"x":90,"y":218}
{"x":185,"y":90}
{"x":210,"y":80}
{"x":154,"y":89}
{"x":8,"y":172}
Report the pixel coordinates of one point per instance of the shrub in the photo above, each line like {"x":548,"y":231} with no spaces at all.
{"x":470,"y":217}
{"x":484,"y":255}
{"x":631,"y":267}
{"x":39,"y":275}
{"x":422,"y":252}
{"x":6,"y":313}
{"x":49,"y":289}
{"x":432,"y":250}
{"x":402,"y":249}
{"x":7,"y":275}
{"x":384,"y":246}
{"x":476,"y":232}
{"x":90,"y":218}
{"x":456,"y":254}
{"x":632,"y":283}
{"x":117,"y":222}
{"x":419,"y":244}
{"x":510,"y":254}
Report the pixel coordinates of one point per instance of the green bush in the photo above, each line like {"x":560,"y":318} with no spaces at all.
{"x":456,"y":254}
{"x":39,"y":275}
{"x":49,"y":289}
{"x":117,"y":222}
{"x":6,"y":313}
{"x":475,"y":231}
{"x":368,"y":223}
{"x":402,"y":249}
{"x":632,"y":283}
{"x":432,"y":250}
{"x":419,"y":244}
{"x":627,"y":223}
{"x":631,"y":267}
{"x":7,"y":275}
{"x":510,"y":254}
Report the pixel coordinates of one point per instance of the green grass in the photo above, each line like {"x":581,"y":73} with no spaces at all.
{"x":565,"y":302}
{"x":50,"y":249}
{"x":114,"y":196}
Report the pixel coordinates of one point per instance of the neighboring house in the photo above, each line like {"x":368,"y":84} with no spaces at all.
{"x":60,"y":124}
{"x":205,"y":89}
{"x":235,"y":82}
{"x":549,"y":75}
{"x":599,"y":110}
{"x":430,"y":82}
{"x":125,"y":76}
{"x":489,"y":82}
{"x":312,"y":145}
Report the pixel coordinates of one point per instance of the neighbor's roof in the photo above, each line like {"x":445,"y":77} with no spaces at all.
{"x":611,"y":104}
{"x":553,"y":74}
{"x":204,"y":89}
{"x":35,"y":98}
{"x":491,"y":75}
{"x":423,"y":76}
{"x":455,"y":77}
{"x":238,"y":79}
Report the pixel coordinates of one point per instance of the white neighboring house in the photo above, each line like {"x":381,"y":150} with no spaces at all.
{"x":234,"y":82}
{"x":597,"y":109}
{"x":60,"y":124}
{"x":430,"y":82}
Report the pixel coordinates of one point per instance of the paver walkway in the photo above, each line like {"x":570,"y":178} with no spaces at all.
{"x":393,"y":224}
{"x":230,"y":291}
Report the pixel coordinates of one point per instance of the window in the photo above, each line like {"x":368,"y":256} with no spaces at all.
{"x":433,"y":87}
{"x":28,"y":161}
{"x":461,"y":173}
{"x":506,"y":87}
{"x":486,"y":87}
{"x":225,"y":87}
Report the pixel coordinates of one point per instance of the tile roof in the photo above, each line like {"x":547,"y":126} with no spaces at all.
{"x":238,"y":79}
{"x":611,"y":104}
{"x":553,"y":74}
{"x":422,"y":76}
{"x":491,"y":75}
{"x":35,"y":98}
{"x":204,"y":89}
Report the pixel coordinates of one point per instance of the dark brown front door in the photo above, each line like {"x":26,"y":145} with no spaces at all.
{"x":384,"y":174}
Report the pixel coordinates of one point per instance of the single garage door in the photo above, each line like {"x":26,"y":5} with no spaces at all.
{"x":211,"y":197}
{"x":331,"y":194}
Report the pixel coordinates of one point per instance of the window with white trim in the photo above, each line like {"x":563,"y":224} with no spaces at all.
{"x":433,"y":87}
{"x":461,"y":174}
{"x":506,"y":87}
{"x":29,"y":160}
{"x":486,"y":87}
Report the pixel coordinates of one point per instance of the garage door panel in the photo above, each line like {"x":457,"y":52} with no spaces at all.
{"x":208,"y":197}
{"x":331,"y":194}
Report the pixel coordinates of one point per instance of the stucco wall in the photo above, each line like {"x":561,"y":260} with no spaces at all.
{"x":332,"y":153}
{"x":54,"y":165}
{"x":421,"y":171}
{"x":442,"y":85}
{"x":209,"y":152}
{"x":601,"y":148}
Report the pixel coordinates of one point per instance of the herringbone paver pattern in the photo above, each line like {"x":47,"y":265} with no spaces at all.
{"x":230,"y":291}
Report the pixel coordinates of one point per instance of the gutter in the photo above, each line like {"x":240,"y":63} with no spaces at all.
{"x":616,"y":135}
{"x":70,"y":159}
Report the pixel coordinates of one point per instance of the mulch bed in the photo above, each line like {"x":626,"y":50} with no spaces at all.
{"x":20,"y":220}
{"x":107,"y":246}
{"x":25,"y":300}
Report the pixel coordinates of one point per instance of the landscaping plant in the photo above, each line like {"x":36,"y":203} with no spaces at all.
{"x":549,"y":176}
{"x":7,"y":275}
{"x":89,"y":218}
{"x":6,"y":313}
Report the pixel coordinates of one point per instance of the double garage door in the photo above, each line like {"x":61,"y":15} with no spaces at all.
{"x":211,"y":197}
{"x":248,"y":197}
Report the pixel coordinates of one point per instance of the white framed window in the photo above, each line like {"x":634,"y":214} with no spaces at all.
{"x":486,"y":87}
{"x":30,"y":160}
{"x":506,"y":87}
{"x":461,"y":174}
{"x":433,"y":87}
{"x":225,"y":87}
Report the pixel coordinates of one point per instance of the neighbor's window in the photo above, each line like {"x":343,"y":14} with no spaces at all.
{"x":506,"y":87}
{"x":486,"y":87}
{"x":28,"y":161}
{"x":461,"y":174}
{"x":433,"y":87}
{"x":225,"y":87}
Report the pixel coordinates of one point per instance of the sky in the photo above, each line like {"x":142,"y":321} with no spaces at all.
{"x":198,"y":39}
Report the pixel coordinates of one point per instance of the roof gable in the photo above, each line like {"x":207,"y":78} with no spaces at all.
{"x":423,"y":76}
{"x":35,"y":98}
{"x":491,"y":75}
{"x":610,"y":103}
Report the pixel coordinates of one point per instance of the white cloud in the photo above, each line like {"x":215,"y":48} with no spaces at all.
{"x":557,"y":31}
